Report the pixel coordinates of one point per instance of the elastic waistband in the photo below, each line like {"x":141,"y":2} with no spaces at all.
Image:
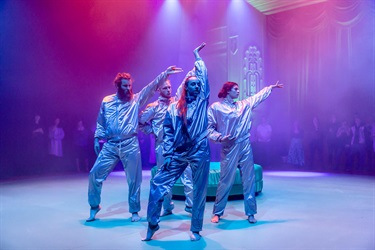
{"x":119,"y":140}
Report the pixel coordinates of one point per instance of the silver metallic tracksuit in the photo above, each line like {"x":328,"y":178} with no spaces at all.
{"x":225,"y":118}
{"x":151,"y":121}
{"x":185,"y":144}
{"x":117,"y":123}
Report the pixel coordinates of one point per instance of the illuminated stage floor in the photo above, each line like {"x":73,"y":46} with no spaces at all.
{"x":296,"y":210}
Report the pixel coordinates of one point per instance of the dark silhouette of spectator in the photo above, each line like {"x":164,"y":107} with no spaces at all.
{"x":296,"y":155}
{"x":81,"y":137}
{"x":263,"y":144}
{"x":332,"y":144}
{"x":357,"y":146}
{"x":55,"y":149}
{"x":37,"y":145}
{"x":343,"y":145}
{"x":369,"y":150}
{"x":316,"y":144}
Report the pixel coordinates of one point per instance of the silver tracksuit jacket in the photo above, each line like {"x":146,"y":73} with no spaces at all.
{"x":117,"y":123}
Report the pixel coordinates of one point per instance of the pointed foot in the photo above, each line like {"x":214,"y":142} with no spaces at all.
{"x":166,"y":213}
{"x":151,"y":231}
{"x":93,"y":212}
{"x":195,"y":236}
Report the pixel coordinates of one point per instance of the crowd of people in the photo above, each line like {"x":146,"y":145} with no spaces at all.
{"x":334,"y":146}
{"x":54,"y":149}
{"x":182,"y":127}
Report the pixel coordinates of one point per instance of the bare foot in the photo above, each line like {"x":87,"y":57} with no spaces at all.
{"x":93,"y":212}
{"x":215,"y":219}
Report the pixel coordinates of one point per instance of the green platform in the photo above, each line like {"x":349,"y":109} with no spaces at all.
{"x":213,"y":180}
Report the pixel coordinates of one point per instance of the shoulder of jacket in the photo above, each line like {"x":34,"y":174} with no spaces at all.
{"x":109,"y":98}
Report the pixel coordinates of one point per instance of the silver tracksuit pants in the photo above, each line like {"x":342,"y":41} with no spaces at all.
{"x":237,"y":155}
{"x":186,"y":179}
{"x":112,"y":152}
{"x":199,"y":159}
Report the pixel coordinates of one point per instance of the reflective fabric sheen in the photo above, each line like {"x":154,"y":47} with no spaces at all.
{"x":118,"y":119}
{"x":130,"y":155}
{"x":151,"y":121}
{"x":118,"y":124}
{"x":225,"y":118}
{"x":196,"y":115}
{"x":198,"y":156}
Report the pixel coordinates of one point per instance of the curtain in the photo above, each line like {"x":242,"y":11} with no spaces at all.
{"x":324,"y":54}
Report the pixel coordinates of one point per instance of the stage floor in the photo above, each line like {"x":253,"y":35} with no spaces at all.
{"x":296,"y":210}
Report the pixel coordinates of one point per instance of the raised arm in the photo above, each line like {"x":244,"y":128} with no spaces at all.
{"x":196,"y":51}
{"x":149,"y":90}
{"x":201,"y":71}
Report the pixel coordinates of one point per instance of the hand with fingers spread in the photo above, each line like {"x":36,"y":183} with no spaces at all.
{"x":278,"y":85}
{"x":173,"y":70}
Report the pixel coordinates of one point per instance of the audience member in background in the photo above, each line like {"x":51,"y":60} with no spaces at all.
{"x":369,"y":151}
{"x":372,"y":165}
{"x":264,"y":146}
{"x":332,"y":141}
{"x":117,"y":123}
{"x":316,"y":143}
{"x":81,"y":147}
{"x":151,"y":122}
{"x":229,"y":123}
{"x":357,"y":146}
{"x":37,"y":145}
{"x":55,"y":150}
{"x":296,"y":154}
{"x":343,"y":145}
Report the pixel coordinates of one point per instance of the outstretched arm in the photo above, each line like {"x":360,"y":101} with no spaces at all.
{"x":277,"y":85}
{"x":262,"y":95}
{"x":149,"y":90}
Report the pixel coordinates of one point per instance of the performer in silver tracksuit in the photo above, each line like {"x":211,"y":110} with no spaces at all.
{"x":185,"y":142}
{"x":117,"y":123}
{"x":229,"y":123}
{"x":151,"y":122}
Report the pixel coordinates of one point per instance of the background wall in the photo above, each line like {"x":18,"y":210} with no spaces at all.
{"x":59,"y":58}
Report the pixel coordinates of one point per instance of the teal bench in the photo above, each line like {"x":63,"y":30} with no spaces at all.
{"x":213,"y":180}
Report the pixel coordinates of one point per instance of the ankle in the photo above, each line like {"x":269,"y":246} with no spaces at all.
{"x":152,"y":227}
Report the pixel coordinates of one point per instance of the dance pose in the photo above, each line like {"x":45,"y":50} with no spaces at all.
{"x":185,"y":142}
{"x":229,"y":123}
{"x":117,"y":123}
{"x":151,"y":122}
